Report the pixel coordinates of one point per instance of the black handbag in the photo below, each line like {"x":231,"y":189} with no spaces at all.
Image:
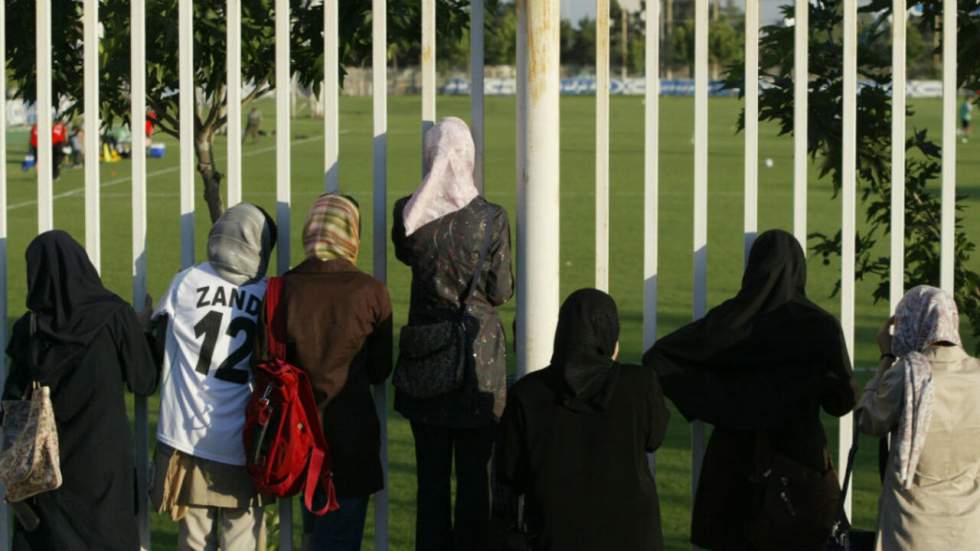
{"x":432,"y":357}
{"x":796,"y":505}
{"x":843,"y":537}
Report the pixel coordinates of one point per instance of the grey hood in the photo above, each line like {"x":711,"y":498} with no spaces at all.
{"x":240,"y":243}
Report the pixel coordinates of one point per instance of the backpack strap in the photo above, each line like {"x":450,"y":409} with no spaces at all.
{"x":480,"y":263}
{"x":315,"y":473}
{"x":275,"y":325}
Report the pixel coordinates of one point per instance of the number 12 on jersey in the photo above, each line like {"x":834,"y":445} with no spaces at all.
{"x":210,"y":328}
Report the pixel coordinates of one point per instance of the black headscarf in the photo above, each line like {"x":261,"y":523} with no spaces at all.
{"x":585,"y":341}
{"x":68,"y":303}
{"x":752,"y":357}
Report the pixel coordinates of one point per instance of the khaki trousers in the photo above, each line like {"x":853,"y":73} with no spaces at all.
{"x":214,"y":528}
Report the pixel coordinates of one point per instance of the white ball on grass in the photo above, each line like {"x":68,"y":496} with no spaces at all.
{"x":769,"y":162}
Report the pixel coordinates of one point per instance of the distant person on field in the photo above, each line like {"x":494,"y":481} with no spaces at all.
{"x":966,"y":119}
{"x":206,"y":324}
{"x":925,"y":395}
{"x":253,"y":128}
{"x":575,"y":436}
{"x":760,"y":367}
{"x":59,"y":137}
{"x":339,"y":331}
{"x":87,"y":345}
{"x":458,"y":246}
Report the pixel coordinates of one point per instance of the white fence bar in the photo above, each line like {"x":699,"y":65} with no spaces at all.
{"x":700,"y":201}
{"x":948,"y":256}
{"x":90,"y":46}
{"x":137,"y":117}
{"x":428,"y":68}
{"x":538,"y":254}
{"x":651,"y":176}
{"x":897,"y":266}
{"x":283,"y":198}
{"x":848,"y":204}
{"x":5,"y":521}
{"x":45,"y":200}
{"x":602,"y":145}
{"x":185,"y":32}
{"x":476,"y":88}
{"x":801,"y":84}
{"x":233,"y":34}
{"x":520,"y":158}
{"x":379,"y":66}
{"x":751,"y":175}
{"x":331,"y":96}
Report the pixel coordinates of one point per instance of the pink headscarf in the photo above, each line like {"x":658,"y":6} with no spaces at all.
{"x":448,"y":184}
{"x":926,"y":315}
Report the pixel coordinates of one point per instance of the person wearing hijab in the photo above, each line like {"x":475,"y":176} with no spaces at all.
{"x":339,"y":329}
{"x":206,"y":323}
{"x":759,"y":367}
{"x":925,"y":395}
{"x":87,"y":345}
{"x":575,"y":436}
{"x":440,"y":231}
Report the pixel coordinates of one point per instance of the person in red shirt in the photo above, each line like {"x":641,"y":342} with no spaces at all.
{"x":59,"y":134}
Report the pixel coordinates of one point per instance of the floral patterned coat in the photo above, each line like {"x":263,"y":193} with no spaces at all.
{"x":443,"y":255}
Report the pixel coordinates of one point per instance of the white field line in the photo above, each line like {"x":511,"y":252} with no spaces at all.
{"x":160,"y":172}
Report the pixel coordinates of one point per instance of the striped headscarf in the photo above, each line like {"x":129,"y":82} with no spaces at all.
{"x":333,"y":229}
{"x":926,"y":315}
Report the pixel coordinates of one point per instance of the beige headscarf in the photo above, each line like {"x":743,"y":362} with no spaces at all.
{"x":926,"y":315}
{"x":333,"y":229}
{"x":448,"y":183}
{"x":240,"y":243}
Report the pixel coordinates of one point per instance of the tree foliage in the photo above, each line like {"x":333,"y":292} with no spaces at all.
{"x":923,"y":162}
{"x":162,"y":51}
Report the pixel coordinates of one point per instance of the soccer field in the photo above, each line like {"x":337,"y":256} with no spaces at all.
{"x":577,"y":240}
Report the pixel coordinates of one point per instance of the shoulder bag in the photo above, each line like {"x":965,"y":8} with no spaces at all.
{"x":796,"y":506}
{"x":432,"y":357}
{"x":29,"y":459}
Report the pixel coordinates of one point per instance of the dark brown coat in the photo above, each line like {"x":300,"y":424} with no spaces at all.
{"x":443,"y":255}
{"x":339,"y":331}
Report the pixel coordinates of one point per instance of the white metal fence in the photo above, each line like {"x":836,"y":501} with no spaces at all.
{"x":537,"y":163}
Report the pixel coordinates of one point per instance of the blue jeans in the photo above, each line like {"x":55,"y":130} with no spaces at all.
{"x":341,"y":530}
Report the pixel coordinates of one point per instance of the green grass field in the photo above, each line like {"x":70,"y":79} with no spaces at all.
{"x":577,"y":245}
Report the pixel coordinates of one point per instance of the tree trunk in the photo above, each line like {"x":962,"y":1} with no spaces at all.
{"x":203,"y":146}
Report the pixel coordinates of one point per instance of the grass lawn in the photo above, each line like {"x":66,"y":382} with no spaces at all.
{"x":577,"y":245}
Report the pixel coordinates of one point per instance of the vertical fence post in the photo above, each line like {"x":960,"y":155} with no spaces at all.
{"x":848,"y":204}
{"x":5,"y":524}
{"x":801,"y":85}
{"x":283,"y":198}
{"x":185,"y":32}
{"x":538,"y":234}
{"x":428,"y":69}
{"x":137,"y":117}
{"x":379,"y":76}
{"x":651,"y":176}
{"x":233,"y":95}
{"x":45,"y":208}
{"x":90,"y":44}
{"x":520,"y":158}
{"x":602,"y":145}
{"x":331,"y":99}
{"x":476,"y":88}
{"x":751,"y":207}
{"x":948,"y":256}
{"x":651,"y":166}
{"x":897,"y":266}
{"x":700,"y":201}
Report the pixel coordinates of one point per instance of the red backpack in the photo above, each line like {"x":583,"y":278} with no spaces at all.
{"x":284,"y":444}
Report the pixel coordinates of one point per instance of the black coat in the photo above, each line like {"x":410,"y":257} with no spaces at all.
{"x":443,"y":255}
{"x":95,"y":506}
{"x":584,"y":474}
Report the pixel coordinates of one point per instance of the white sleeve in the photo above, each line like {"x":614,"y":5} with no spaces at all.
{"x":166,"y":306}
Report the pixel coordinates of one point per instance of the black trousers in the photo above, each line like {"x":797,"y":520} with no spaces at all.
{"x":436,"y":527}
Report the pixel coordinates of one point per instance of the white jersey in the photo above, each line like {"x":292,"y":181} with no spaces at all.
{"x":206,"y":376}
